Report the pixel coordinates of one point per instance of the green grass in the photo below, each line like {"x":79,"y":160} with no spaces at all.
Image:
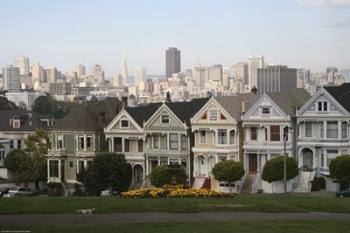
{"x":264,"y":203}
{"x":195,"y":227}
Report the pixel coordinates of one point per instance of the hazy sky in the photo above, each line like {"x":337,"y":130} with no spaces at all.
{"x":64,"y":33}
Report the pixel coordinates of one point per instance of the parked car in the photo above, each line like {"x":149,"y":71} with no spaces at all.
{"x":4,"y":190}
{"x":344,"y":193}
{"x":19,"y":191}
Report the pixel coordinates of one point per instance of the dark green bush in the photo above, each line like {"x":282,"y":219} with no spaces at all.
{"x":168,"y":175}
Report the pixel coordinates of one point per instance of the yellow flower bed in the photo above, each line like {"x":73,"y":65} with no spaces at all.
{"x":173,"y":191}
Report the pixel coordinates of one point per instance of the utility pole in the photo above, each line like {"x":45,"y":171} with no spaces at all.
{"x":285,"y":163}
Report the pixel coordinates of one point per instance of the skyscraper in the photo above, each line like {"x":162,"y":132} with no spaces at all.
{"x":124,"y":70}
{"x":215,"y":73}
{"x":276,"y":79}
{"x":38,"y":73}
{"x":12,"y":81}
{"x":254,"y":63}
{"x":140,"y":77}
{"x":81,"y":70}
{"x":99,"y":75}
{"x":23,"y":64}
{"x":172,"y":62}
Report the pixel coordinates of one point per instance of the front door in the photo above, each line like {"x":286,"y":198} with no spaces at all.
{"x":253,"y":163}
{"x":201,"y":166}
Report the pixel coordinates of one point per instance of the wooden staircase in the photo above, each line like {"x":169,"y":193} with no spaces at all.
{"x":206,"y":184}
{"x":248,"y":183}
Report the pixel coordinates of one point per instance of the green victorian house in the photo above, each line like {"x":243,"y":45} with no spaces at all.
{"x":78,"y":137}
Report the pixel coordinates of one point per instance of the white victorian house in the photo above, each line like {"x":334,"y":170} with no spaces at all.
{"x":323,"y":133}
{"x":217,"y":132}
{"x":269,"y":122}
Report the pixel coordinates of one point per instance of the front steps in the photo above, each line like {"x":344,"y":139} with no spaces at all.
{"x":248,"y":183}
{"x":303,"y":184}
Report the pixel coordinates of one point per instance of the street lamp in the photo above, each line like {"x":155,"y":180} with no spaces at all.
{"x":285,"y":138}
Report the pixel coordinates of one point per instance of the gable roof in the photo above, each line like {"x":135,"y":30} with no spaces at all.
{"x":185,"y":110}
{"x":233,"y":104}
{"x":290,"y":101}
{"x":30,"y":121}
{"x":88,"y":115}
{"x":341,"y":94}
{"x":143,"y":112}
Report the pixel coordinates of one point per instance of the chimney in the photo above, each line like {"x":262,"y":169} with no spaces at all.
{"x":243,"y":106}
{"x":125,"y":101}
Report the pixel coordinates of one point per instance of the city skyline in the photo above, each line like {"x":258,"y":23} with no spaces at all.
{"x":312,"y":34}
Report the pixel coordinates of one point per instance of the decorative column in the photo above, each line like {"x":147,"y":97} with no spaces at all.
{"x":339,"y":129}
{"x":179,"y":141}
{"x":168,"y":141}
{"x":59,"y":169}
{"x":123,"y":145}
{"x":48,"y":171}
{"x":85,"y":142}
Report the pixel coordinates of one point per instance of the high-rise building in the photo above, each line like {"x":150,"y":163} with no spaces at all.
{"x":52,"y":75}
{"x":81,"y":70}
{"x":172,"y":62}
{"x":99,"y":75}
{"x":124,"y":70}
{"x":241,"y":72}
{"x":200,"y":75}
{"x":140,"y":77}
{"x":12,"y":80}
{"x":23,"y":64}
{"x":60,"y":88}
{"x":276,"y":79}
{"x":38,"y":73}
{"x":254,"y":63}
{"x":215,"y":73}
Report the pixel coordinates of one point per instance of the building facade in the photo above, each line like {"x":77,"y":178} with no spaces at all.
{"x":172,"y":62}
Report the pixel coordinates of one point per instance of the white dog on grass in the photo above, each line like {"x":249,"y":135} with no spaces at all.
{"x":86,"y":212}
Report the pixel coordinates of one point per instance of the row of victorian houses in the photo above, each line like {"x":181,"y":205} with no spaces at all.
{"x":202,"y":132}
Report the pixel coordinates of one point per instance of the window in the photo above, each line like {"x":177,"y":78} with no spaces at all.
{"x":173,"y":161}
{"x":124,"y":123}
{"x":265,"y":111}
{"x":344,"y":130}
{"x":183,"y":142}
{"x":213,"y":115}
{"x":322,"y":106}
{"x":118,"y":144}
{"x":81,"y":143}
{"x":222,"y":136}
{"x":253,"y":134}
{"x":332,"y":129}
{"x":164,"y":142}
{"x":89,"y":142}
{"x":126,"y":145}
{"x":275,"y":133}
{"x":308,"y":129}
{"x":322,"y":159}
{"x":165,"y":119}
{"x":163,"y":160}
{"x":11,"y":144}
{"x":80,"y":166}
{"x":331,"y":154}
{"x":321,"y":129}
{"x":53,"y":164}
{"x":286,"y":132}
{"x":59,"y":141}
{"x":174,"y":141}
{"x":232,"y":137}
{"x":266,"y":134}
{"x":202,"y":137}
{"x":184,"y":162}
{"x":222,"y":158}
{"x":19,"y":144}
{"x":140,"y":145}
{"x":156,"y":142}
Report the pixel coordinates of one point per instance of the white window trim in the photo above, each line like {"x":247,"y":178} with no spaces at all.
{"x":121,"y":125}
{"x":200,"y":137}
{"x":161,"y":119}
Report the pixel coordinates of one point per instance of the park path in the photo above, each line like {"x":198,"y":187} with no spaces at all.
{"x":164,"y":217}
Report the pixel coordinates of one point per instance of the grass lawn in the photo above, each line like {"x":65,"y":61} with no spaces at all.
{"x":196,"y":227}
{"x":268,"y":203}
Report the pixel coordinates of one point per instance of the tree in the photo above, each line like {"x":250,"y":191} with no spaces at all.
{"x":18,"y":163}
{"x":47,"y":105}
{"x":5,"y":104}
{"x":37,"y":146}
{"x":110,"y":171}
{"x":228,"y":171}
{"x":339,"y":168}
{"x":163,"y":175}
{"x":273,"y":169}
